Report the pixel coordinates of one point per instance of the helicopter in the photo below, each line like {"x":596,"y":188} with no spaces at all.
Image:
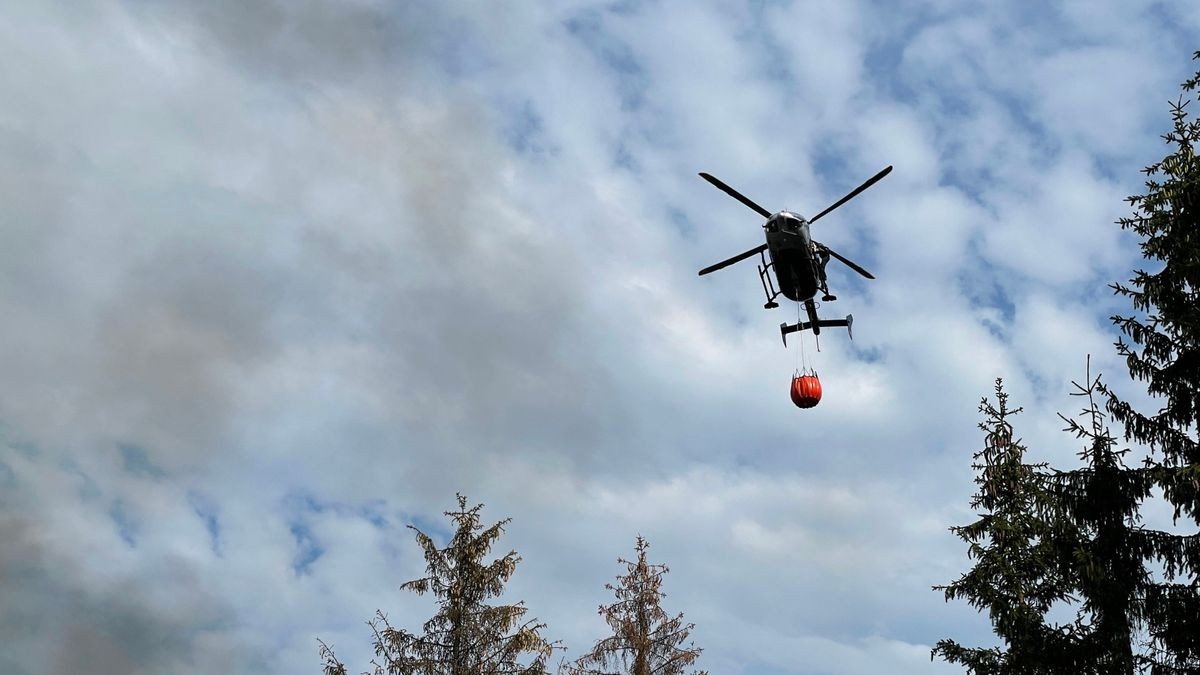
{"x":797,"y":260}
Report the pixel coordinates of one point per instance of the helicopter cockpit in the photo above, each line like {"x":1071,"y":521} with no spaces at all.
{"x":785,"y":221}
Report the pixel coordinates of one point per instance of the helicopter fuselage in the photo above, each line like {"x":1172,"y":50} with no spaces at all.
{"x":793,"y":256}
{"x":798,"y":262}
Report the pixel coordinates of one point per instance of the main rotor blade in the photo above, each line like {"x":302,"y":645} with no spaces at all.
{"x":848,"y":262}
{"x":737,"y":258}
{"x":736,"y":195}
{"x":874,"y":179}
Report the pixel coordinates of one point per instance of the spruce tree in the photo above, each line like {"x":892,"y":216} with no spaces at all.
{"x":1017,"y":577}
{"x":645,"y":640}
{"x":467,"y":636}
{"x":1103,"y":548}
{"x":1165,"y":354}
{"x":1128,"y":620}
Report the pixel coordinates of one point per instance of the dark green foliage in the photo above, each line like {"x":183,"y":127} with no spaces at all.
{"x":1078,"y":534}
{"x":1165,"y":354}
{"x":1048,"y":537}
{"x":645,"y":640}
{"x":1101,"y":543}
{"x":1017,"y":576}
{"x":467,"y":636}
{"x":1129,"y":620}
{"x":1167,"y":219}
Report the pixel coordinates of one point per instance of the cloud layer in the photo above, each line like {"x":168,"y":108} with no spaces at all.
{"x":280,"y":278}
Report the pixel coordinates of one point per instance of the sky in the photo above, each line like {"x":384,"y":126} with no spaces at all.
{"x":279,"y":279}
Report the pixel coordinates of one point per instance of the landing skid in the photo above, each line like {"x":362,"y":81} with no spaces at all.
{"x":767,"y":284}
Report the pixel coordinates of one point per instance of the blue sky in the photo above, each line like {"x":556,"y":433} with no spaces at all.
{"x":280,"y":278}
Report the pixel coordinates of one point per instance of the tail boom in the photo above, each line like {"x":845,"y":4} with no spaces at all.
{"x":816,"y":326}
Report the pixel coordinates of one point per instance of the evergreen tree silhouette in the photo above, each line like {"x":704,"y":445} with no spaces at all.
{"x":1164,"y":353}
{"x":1017,"y":576}
{"x":645,"y":640}
{"x":467,"y":636}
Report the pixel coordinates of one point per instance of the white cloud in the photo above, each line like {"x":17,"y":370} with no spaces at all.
{"x":322,"y":265}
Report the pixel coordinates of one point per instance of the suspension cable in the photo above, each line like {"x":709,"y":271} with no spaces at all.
{"x":802,"y":355}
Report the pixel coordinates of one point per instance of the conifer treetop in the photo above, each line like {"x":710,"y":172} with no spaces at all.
{"x":645,"y":640}
{"x":1165,"y":334}
{"x":1016,"y":577}
{"x":466,"y":636}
